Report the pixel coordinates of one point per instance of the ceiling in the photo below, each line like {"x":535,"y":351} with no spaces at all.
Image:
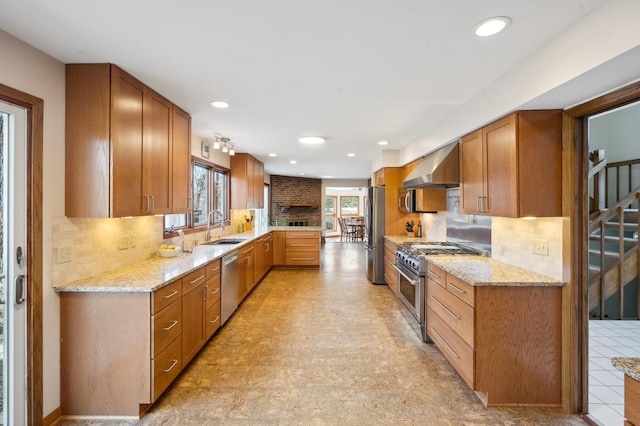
{"x":354,"y":71}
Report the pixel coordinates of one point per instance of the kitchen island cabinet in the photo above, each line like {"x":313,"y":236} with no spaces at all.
{"x":499,"y":328}
{"x":119,"y":146}
{"x":631,"y":369}
{"x":512,"y":167}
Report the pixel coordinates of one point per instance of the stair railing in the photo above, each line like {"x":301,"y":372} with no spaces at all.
{"x":598,"y":173}
{"x":616,"y":171}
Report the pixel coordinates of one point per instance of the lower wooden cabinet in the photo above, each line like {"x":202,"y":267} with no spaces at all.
{"x":279,"y":248}
{"x":302,"y":248}
{"x":246,"y":270}
{"x":390,"y":273}
{"x":504,"y":341}
{"x":193,"y":312}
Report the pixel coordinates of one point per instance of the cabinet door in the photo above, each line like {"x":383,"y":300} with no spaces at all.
{"x":279,"y":248}
{"x":250,"y":182}
{"x":258,"y":185}
{"x":500,"y":144}
{"x":193,"y":314}
{"x":127,"y":141}
{"x":181,"y":162}
{"x":157,"y":161}
{"x":268,"y":253}
{"x":471,"y":173}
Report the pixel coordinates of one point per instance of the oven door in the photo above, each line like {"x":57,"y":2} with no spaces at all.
{"x":411,"y":292}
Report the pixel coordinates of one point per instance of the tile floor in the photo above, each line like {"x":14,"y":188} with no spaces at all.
{"x":325,"y":347}
{"x":609,"y":339}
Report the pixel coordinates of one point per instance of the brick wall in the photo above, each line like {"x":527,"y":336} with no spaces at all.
{"x":287,"y":189}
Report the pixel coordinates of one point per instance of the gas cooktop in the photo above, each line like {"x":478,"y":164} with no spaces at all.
{"x":440,"y":248}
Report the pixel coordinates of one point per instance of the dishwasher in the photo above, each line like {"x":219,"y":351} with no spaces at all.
{"x":229,"y":286}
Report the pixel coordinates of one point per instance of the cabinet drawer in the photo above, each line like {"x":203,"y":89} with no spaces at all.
{"x":212,"y":319}
{"x":303,"y":258}
{"x":302,"y":244}
{"x":193,"y":280}
{"x":166,"y":367}
{"x":390,"y":275}
{"x":212,"y":269}
{"x":302,"y":235}
{"x":459,"y":354}
{"x":436,"y":274}
{"x":166,"y":295}
{"x":464,"y":291}
{"x":213,"y":290}
{"x":457,"y":314}
{"x":166,"y":325}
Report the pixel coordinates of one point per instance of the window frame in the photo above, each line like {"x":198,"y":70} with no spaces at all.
{"x":213,"y":170}
{"x":357,"y":213}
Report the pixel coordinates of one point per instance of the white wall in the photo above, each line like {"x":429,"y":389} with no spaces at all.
{"x":29,"y":70}
{"x":618,"y":132}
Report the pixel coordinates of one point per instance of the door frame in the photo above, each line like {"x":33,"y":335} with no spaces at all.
{"x":576,"y":206}
{"x":35,"y":109}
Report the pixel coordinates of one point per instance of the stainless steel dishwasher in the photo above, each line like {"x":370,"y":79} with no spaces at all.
{"x":229,"y":286}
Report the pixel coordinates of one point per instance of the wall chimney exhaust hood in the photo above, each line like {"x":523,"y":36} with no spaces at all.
{"x":438,"y":169}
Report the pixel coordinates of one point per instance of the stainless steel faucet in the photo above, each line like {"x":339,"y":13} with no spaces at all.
{"x":213,"y":212}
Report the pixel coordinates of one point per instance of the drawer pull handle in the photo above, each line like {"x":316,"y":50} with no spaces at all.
{"x":459,"y":289}
{"x":215,"y":290}
{"x":455,"y":355}
{"x":216,"y":269}
{"x":173,"y":324}
{"x":301,"y":245}
{"x":214,"y":320}
{"x":433,"y":273}
{"x":196,"y":280}
{"x":170,"y":295}
{"x":302,"y":258}
{"x":175,"y":361}
{"x":445,"y":308}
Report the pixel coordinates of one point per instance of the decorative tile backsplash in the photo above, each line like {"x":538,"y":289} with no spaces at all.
{"x":512,"y":242}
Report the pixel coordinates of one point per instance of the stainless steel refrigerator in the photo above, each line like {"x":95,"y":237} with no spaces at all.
{"x":374,"y":234}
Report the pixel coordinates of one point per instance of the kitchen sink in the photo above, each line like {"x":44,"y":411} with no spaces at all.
{"x":224,"y":241}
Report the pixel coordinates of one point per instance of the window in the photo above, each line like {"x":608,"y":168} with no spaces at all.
{"x":210,"y":193}
{"x":349,"y":206}
{"x":330,"y":212}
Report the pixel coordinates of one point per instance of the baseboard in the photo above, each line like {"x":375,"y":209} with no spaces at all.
{"x":53,"y":417}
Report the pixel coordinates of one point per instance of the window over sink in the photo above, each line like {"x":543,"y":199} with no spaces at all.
{"x":210,"y":191}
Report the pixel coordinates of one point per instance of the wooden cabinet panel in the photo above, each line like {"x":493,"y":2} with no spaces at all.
{"x":166,"y":326}
{"x":390,"y":273}
{"x":166,"y":295}
{"x":302,"y":248}
{"x":212,"y":318}
{"x":379,"y":178}
{"x":436,"y":275}
{"x":264,"y":256}
{"x":303,"y":258}
{"x":127,"y":145}
{"x":279,"y":248}
{"x":632,"y":400}
{"x":302,"y":244}
{"x":193,"y":313}
{"x":212,"y":290}
{"x":512,"y":167}
{"x":119,"y":146}
{"x":431,"y":200}
{"x":462,"y":290}
{"x":181,"y":162}
{"x":166,"y":367}
{"x":247,"y":182}
{"x":193,"y":280}
{"x":212,"y":268}
{"x":456,"y":350}
{"x":246,"y":271}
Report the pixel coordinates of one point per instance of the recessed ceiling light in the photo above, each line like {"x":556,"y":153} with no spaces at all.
{"x":383,"y":143}
{"x":326,"y":177}
{"x":219,"y":104}
{"x":301,"y":174}
{"x":273,"y":154}
{"x":351,"y":154}
{"x":311,"y":140}
{"x":293,"y":162}
{"x":492,"y":26}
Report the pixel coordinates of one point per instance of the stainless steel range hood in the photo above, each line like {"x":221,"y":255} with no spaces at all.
{"x":439,"y":169}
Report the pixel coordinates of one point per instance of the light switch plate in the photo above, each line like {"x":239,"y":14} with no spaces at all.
{"x":540,"y":247}
{"x":64,"y":254}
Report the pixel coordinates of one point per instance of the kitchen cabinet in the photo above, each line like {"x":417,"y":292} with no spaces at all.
{"x":279,"y":248}
{"x":181,"y":164}
{"x":119,"y":152}
{"x":504,"y":341}
{"x":247,"y":182}
{"x":246,"y":270}
{"x":379,"y":177}
{"x":394,"y":219}
{"x":264,"y":256}
{"x":512,"y":167}
{"x":302,"y":248}
{"x":390,"y":273}
{"x":193,"y":313}
{"x":212,"y":299}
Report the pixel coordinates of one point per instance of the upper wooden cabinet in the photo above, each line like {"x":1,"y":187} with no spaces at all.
{"x":512,"y":167}
{"x":120,"y":146}
{"x":247,"y":182}
{"x":379,"y":178}
{"x":181,"y":173}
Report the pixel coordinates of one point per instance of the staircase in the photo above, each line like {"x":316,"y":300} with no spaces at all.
{"x":614,"y":252}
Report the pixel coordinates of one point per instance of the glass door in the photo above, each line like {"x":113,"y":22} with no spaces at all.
{"x":13,"y":145}
{"x":330,"y":214}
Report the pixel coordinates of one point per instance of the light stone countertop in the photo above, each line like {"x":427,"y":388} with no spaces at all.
{"x":484,"y":271}
{"x":156,"y":272}
{"x":629,"y":366}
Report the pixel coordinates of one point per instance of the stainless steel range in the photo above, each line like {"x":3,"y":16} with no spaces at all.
{"x":411,"y":264}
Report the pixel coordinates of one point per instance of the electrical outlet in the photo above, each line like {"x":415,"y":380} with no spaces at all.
{"x":64,"y":254}
{"x":540,"y":247}
{"x":124,"y":242}
{"x":133,"y":239}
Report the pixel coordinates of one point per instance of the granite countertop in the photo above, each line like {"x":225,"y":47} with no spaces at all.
{"x":156,"y":272}
{"x":483,"y":271}
{"x":629,"y":366}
